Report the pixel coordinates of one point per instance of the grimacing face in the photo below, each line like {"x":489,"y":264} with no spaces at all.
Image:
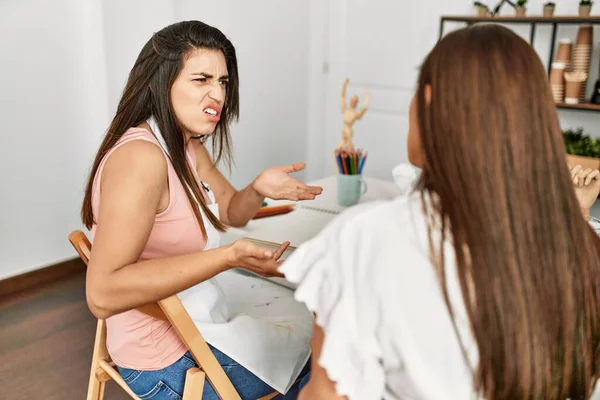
{"x":198,"y":93}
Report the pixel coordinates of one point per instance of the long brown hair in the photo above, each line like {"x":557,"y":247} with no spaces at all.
{"x":527,"y":261}
{"x":147,"y":93}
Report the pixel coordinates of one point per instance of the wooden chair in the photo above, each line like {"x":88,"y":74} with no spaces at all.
{"x":172,"y":310}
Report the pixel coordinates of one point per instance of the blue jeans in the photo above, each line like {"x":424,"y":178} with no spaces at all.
{"x":168,"y":383}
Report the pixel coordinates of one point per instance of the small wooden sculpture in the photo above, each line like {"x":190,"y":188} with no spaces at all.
{"x":350,"y":116}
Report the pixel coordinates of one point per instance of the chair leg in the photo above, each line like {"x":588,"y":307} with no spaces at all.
{"x":96,"y":383}
{"x":95,"y":389}
{"x":194,"y":384}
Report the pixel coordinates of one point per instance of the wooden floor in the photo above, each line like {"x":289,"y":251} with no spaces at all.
{"x":46,"y":339}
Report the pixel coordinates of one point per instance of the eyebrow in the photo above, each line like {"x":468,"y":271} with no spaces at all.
{"x":209,"y":76}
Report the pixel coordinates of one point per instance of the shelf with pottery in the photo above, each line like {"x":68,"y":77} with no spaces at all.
{"x":520,"y":17}
{"x":558,"y":19}
{"x":548,"y":16}
{"x":569,"y":71}
{"x":483,"y":13}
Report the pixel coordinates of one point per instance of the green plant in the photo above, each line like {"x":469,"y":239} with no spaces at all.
{"x":549,"y":4}
{"x":521,"y":3}
{"x":480,"y":4}
{"x":586,"y":2}
{"x":580,"y":144}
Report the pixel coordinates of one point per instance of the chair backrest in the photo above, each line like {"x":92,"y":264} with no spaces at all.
{"x":172,"y":310}
{"x":82,"y":245}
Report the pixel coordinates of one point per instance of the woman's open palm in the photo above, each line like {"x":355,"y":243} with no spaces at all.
{"x":276,"y":183}
{"x":247,"y":255}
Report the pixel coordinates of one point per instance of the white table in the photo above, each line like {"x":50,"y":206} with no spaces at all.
{"x":301,"y":223}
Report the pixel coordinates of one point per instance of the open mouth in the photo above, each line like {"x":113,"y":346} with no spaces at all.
{"x":211,"y":111}
{"x":213,"y":114}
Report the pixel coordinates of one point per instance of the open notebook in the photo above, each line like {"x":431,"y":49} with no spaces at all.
{"x":297,"y":227}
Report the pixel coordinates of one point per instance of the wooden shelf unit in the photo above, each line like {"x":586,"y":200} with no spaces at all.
{"x":538,"y":19}
{"x":533,"y":21}
{"x":579,"y":106}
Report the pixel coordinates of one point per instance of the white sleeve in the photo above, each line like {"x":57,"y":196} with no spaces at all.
{"x":595,"y":224}
{"x":335,"y":282}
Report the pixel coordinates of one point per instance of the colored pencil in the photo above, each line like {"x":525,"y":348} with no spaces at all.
{"x":274,"y":210}
{"x":362,"y":163}
{"x":350,"y":163}
{"x":339,"y":163}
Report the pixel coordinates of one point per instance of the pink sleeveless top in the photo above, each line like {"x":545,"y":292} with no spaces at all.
{"x":134,"y":339}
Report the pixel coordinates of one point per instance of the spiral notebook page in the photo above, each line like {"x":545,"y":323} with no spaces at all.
{"x":297,"y":227}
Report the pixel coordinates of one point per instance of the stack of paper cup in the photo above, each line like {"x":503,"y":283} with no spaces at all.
{"x":583,"y":55}
{"x":557,"y":81}
{"x":574,"y":81}
{"x":565,"y":53}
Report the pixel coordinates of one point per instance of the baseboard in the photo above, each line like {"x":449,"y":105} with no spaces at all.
{"x":41,"y":276}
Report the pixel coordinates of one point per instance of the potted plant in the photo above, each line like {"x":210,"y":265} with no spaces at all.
{"x":521,"y":9}
{"x":582,"y":149}
{"x":482,"y":9}
{"x":585,"y":8}
{"x":549,"y":8}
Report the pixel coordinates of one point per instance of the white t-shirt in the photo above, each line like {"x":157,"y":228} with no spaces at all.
{"x":388,"y":332}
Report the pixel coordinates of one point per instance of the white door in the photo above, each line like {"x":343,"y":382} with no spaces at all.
{"x":379,"y":45}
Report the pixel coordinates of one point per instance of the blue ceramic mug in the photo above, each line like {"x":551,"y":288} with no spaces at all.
{"x":350,"y":188}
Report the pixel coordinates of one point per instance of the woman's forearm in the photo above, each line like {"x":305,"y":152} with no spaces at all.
{"x":149,"y":281}
{"x":243,"y":206}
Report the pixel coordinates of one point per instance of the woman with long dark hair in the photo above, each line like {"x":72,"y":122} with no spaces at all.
{"x":156,"y":203}
{"x":485,"y":281}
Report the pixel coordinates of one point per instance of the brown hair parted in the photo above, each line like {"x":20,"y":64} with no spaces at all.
{"x":147,"y":93}
{"x":527,"y":261}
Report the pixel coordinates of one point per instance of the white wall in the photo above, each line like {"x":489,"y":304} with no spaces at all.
{"x":51,"y":91}
{"x":127,"y":26}
{"x":64,"y":69}
{"x":379,"y":45}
